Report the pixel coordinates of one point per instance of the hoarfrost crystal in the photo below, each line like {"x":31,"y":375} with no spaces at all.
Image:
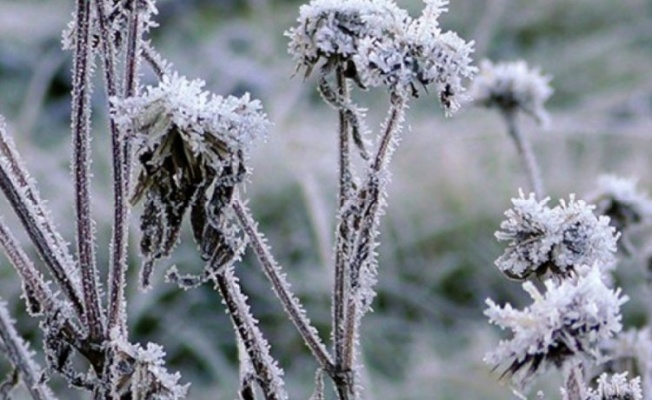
{"x":557,"y":240}
{"x":616,"y":387}
{"x":620,"y":200}
{"x":567,"y":320}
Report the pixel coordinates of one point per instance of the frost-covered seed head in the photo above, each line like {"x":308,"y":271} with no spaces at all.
{"x":616,"y":387}
{"x":556,"y":240}
{"x":569,"y":319}
{"x":619,"y":199}
{"x":512,"y":86}
{"x":332,"y":29}
{"x":190,"y":140}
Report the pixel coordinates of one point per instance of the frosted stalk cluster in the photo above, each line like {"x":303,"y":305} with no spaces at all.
{"x":555,"y":240}
{"x":568,"y":320}
{"x":381,"y":45}
{"x":620,"y":200}
{"x":192,"y":153}
{"x":512,"y":86}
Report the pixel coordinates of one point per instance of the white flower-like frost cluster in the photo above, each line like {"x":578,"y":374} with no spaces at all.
{"x":378,"y":44}
{"x":569,"y":319}
{"x":556,"y":240}
{"x":619,"y":199}
{"x":512,"y":86}
{"x":616,"y":387}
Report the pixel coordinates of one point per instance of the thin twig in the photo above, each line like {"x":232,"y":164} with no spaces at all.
{"x":525,"y":151}
{"x":21,"y":358}
{"x":257,"y":348}
{"x":273,"y":272}
{"x":116,"y":318}
{"x":81,"y":112}
{"x":21,"y":193}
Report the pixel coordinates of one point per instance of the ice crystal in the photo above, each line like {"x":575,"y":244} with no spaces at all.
{"x":332,"y":29}
{"x":569,"y":319}
{"x":616,"y":387}
{"x":557,"y":240}
{"x":193,"y":150}
{"x":512,"y":86}
{"x":619,"y":199}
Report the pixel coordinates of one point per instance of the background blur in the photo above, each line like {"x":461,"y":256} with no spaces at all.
{"x":452,"y":180}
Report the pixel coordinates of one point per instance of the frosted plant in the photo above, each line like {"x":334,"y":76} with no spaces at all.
{"x":512,"y":88}
{"x":567,"y":321}
{"x":616,"y":387}
{"x":631,"y":351}
{"x":331,"y":30}
{"x":553,"y":240}
{"x":620,"y":200}
{"x":193,"y":149}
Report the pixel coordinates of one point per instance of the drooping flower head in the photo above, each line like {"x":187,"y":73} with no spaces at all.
{"x":192,"y":144}
{"x":566,"y":321}
{"x":620,"y":200}
{"x":512,"y":86}
{"x":553,"y":240}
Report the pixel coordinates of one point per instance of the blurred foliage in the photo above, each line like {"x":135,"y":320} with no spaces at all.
{"x":453,"y":179}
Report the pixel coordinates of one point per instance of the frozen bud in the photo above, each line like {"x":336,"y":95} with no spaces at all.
{"x":568,"y":320}
{"x":619,"y":199}
{"x":616,"y":387}
{"x":553,"y":240}
{"x":191,"y":142}
{"x":332,"y":29}
{"x":512,"y":86}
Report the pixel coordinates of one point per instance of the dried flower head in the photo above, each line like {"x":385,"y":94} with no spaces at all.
{"x":616,"y":387}
{"x":512,"y":86}
{"x":556,"y":240}
{"x":568,"y":320}
{"x":332,"y":29}
{"x":193,"y":143}
{"x":619,"y":199}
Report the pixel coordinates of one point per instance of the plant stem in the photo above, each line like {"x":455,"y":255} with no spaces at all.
{"x":342,"y":231}
{"x":81,"y":111}
{"x":21,"y":193}
{"x":366,"y":223}
{"x":267,"y":373}
{"x":273,"y":272}
{"x":20,"y":357}
{"x":574,"y":382}
{"x":525,"y":151}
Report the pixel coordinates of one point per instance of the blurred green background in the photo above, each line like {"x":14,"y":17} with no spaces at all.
{"x":452,"y":180}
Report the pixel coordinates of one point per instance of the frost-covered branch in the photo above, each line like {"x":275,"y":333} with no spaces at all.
{"x":81,"y":114}
{"x":276,"y":277}
{"x":21,"y":357}
{"x":268,"y":374}
{"x":20,"y":191}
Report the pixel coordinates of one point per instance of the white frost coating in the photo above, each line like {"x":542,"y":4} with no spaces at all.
{"x":258,"y":348}
{"x":569,"y":319}
{"x":200,"y":117}
{"x":25,"y":186}
{"x":21,"y":357}
{"x":620,"y":199}
{"x":512,"y":86}
{"x":543,"y":239}
{"x":141,"y":371}
{"x":616,"y":387}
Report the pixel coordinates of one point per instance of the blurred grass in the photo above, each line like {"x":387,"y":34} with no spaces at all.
{"x":452,"y":180}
